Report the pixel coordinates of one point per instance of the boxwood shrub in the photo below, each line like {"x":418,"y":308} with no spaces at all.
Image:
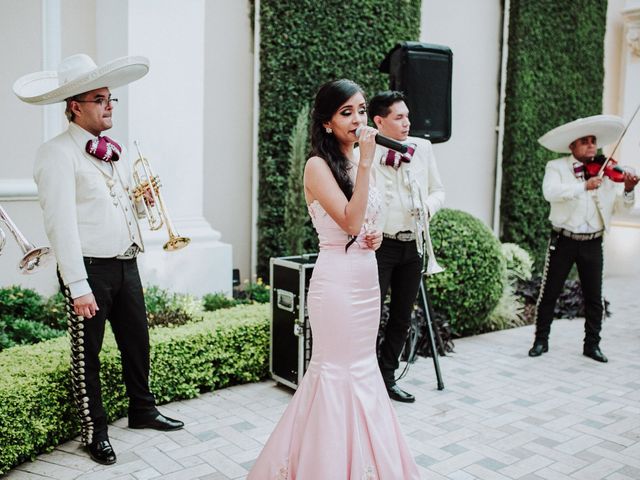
{"x":473,"y":280}
{"x":36,"y":413}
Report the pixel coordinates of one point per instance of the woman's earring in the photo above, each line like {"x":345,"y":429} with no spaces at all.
{"x":328,"y":130}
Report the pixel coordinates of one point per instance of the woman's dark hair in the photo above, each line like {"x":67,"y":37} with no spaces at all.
{"x":324,"y":145}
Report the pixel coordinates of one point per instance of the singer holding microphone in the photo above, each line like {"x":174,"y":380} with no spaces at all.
{"x":340,"y":424}
{"x":405,"y":179}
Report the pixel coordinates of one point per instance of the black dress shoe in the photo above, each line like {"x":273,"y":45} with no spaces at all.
{"x":538,"y":349}
{"x":399,"y":395}
{"x":102,"y":452}
{"x":596,"y":354}
{"x":156,"y":421}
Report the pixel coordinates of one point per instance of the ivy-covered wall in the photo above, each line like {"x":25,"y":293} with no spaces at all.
{"x":555,"y":75}
{"x":303,"y":44}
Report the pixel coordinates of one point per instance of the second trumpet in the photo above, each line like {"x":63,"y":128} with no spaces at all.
{"x":147,"y":188}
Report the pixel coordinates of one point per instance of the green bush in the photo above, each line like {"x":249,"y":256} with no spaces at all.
{"x":473,"y":280}
{"x":250,"y":292}
{"x":215,"y":301}
{"x":555,"y":74}
{"x":21,"y":302}
{"x":167,"y":309}
{"x":298,"y":229}
{"x":36,"y":412}
{"x":20,"y":331}
{"x":302,"y":45}
{"x":27,"y":317}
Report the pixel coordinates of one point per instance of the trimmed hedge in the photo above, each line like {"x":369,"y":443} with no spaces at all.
{"x":36,"y":413}
{"x":555,"y":74}
{"x":475,"y":269}
{"x":304,"y":44}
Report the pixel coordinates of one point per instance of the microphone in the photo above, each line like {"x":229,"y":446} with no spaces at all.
{"x":386,"y":142}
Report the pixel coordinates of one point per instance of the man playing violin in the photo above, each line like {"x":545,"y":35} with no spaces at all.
{"x":582,"y":201}
{"x":84,"y":187}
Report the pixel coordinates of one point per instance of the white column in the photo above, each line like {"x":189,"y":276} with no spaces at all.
{"x":622,"y":245}
{"x":164,"y":112}
{"x":630,"y":80}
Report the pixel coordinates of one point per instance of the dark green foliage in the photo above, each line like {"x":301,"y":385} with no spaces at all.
{"x":251,"y":292}
{"x":18,"y":331}
{"x":36,"y":413}
{"x":304,"y":44}
{"x":298,"y":229}
{"x":555,"y":75}
{"x":216,"y":301}
{"x":570,"y":303}
{"x":473,"y":280}
{"x":22,"y":302}
{"x":26,"y":317}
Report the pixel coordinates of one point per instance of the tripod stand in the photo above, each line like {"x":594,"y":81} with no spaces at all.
{"x":430,"y":331}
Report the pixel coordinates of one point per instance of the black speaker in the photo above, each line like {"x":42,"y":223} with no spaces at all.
{"x":422,"y":71}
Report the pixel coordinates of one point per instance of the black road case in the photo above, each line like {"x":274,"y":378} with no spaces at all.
{"x":290,"y":331}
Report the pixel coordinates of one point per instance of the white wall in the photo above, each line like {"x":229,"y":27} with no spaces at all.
{"x":166,"y":114}
{"x":472,"y":29}
{"x":228,"y":125}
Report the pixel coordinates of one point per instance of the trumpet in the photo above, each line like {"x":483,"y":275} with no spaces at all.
{"x":423,"y":237}
{"x":33,"y":257}
{"x":155,"y":210}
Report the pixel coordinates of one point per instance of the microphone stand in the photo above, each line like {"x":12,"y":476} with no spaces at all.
{"x":421,"y":221}
{"x":430,"y":330}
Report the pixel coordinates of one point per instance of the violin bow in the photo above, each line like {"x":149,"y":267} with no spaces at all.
{"x":604,"y":164}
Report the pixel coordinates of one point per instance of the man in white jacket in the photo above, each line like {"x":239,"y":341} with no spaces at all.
{"x":581,"y":211}
{"x":412,"y":192}
{"x":90,"y":214}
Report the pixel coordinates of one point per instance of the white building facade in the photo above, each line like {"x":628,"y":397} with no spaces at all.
{"x":194,"y":115}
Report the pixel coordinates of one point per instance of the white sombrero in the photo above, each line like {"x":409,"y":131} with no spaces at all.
{"x":78,"y":74}
{"x":606,"y":129}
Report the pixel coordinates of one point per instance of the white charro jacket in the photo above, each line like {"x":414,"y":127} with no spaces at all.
{"x":572,"y":206}
{"x":394,"y":186}
{"x":86,"y":204}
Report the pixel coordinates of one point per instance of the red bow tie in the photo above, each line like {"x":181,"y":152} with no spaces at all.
{"x":103,"y":148}
{"x":395,"y":159}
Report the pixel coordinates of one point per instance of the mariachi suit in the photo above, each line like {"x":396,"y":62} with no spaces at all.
{"x":578,"y":218}
{"x":399,"y":263}
{"x":90,"y":220}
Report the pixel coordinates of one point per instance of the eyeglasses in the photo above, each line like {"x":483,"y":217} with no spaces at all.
{"x":102,"y":101}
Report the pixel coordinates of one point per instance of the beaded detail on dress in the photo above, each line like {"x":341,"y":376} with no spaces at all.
{"x":283,"y":471}
{"x":374,"y":207}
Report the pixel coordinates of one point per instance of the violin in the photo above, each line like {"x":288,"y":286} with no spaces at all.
{"x":612,"y":170}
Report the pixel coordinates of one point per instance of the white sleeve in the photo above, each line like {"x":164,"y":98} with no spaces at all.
{"x":54,"y":174}
{"x":435,"y":198}
{"x":554,"y":190}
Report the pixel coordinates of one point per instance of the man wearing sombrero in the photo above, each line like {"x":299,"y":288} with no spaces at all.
{"x":581,"y":211}
{"x":84,"y":187}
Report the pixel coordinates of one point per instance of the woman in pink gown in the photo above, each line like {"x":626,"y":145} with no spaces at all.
{"x":340,"y":424}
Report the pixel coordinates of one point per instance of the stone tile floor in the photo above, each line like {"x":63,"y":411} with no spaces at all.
{"x":502,"y":415}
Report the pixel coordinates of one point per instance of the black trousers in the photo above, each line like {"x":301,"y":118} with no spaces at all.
{"x":118,"y":291}
{"x":587,"y":255}
{"x":399,"y":268}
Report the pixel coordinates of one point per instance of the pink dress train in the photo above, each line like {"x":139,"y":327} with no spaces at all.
{"x":340,"y":424}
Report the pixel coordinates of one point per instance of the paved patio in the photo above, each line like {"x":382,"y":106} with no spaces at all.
{"x":501,"y":416}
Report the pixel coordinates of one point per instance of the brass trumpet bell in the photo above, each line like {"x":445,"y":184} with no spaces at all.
{"x":155,"y":209}
{"x":33,"y":257}
{"x":176,"y":243}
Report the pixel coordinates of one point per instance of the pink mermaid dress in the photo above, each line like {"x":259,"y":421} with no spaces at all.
{"x":340,"y":424}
